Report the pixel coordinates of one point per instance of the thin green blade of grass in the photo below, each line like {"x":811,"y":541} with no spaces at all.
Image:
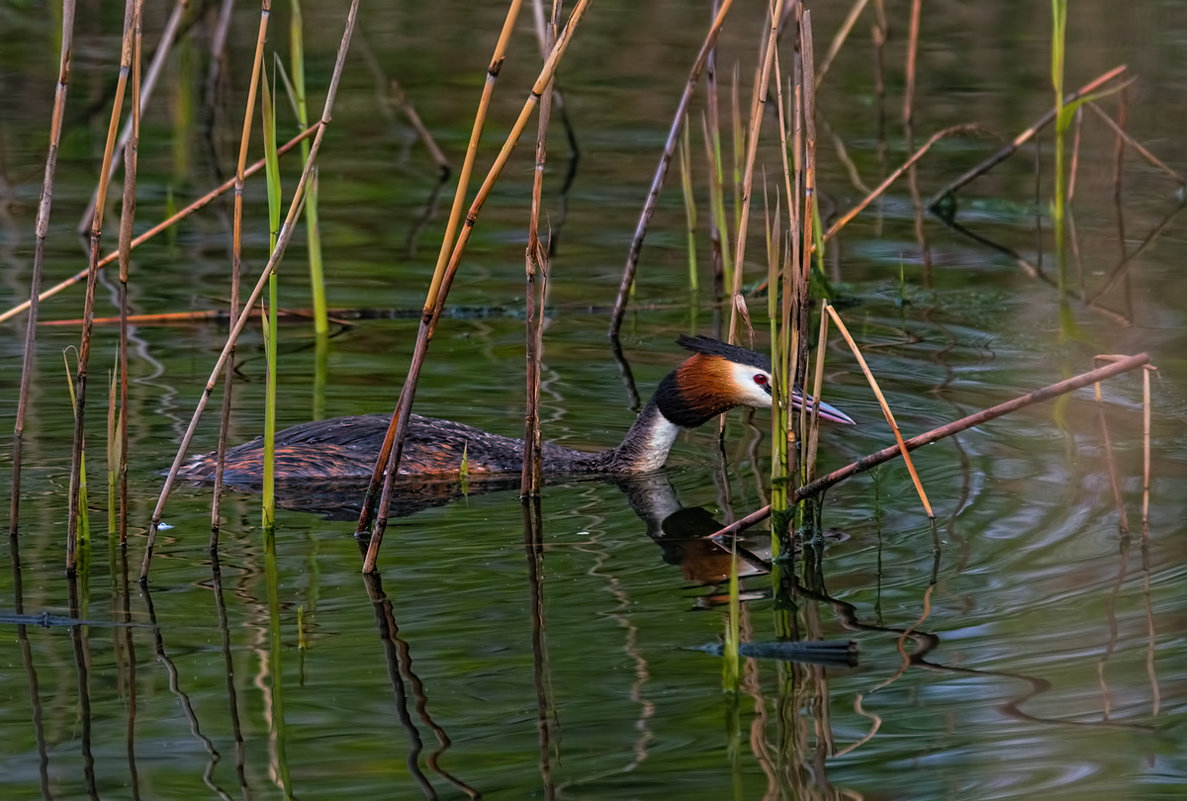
{"x":84,"y":529}
{"x":272,"y":171}
{"x":690,"y":206}
{"x":317,"y":281}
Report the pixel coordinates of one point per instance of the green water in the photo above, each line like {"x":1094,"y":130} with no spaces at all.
{"x":1049,"y":658}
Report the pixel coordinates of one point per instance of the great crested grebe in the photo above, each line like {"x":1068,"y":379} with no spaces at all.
{"x":716,"y":378}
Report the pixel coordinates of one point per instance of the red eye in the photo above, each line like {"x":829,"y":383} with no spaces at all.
{"x":761,"y":380}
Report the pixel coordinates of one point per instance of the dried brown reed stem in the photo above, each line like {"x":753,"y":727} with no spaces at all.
{"x":757,"y":106}
{"x":422,"y":131}
{"x":127,"y":217}
{"x":886,"y":412}
{"x":236,"y":264}
{"x":397,"y":429}
{"x":131,"y":10}
{"x":536,"y":265}
{"x":1009,"y":149}
{"x":165,"y":224}
{"x":661,"y":170}
{"x":1110,"y":459}
{"x":802,"y":314}
{"x":912,"y":52}
{"x":41,"y":231}
{"x":282,"y":240}
{"x":848,"y":216}
{"x":864,"y":203}
{"x":160,"y":59}
{"x":1123,"y":364}
{"x":1137,"y":146}
{"x":839,"y":40}
{"x":394,"y":95}
{"x":1124,"y":264}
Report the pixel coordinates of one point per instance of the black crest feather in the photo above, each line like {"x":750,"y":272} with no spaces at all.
{"x":715,"y":347}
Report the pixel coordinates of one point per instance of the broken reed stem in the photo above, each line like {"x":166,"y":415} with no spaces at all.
{"x":757,"y":106}
{"x":1110,"y":460}
{"x":286,"y":232}
{"x":536,"y":264}
{"x":237,"y":263}
{"x":394,"y":440}
{"x":131,"y":9}
{"x":865,"y":369}
{"x":1137,"y":146}
{"x":1008,"y":149}
{"x":127,"y":218}
{"x":41,"y":231}
{"x":848,"y":216}
{"x":394,"y":432}
{"x":160,"y":59}
{"x":661,"y":171}
{"x":168,"y":222}
{"x":1122,"y":365}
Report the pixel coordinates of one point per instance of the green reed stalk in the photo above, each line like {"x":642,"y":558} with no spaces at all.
{"x":80,"y":523}
{"x":234,"y":321}
{"x":272,"y":171}
{"x":317,"y":281}
{"x":717,"y":201}
{"x":690,"y":206}
{"x":1063,"y":118}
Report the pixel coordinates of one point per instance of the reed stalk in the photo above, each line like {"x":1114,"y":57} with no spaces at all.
{"x":78,"y":485}
{"x":286,"y":232}
{"x":395,"y":433}
{"x":398,"y":426}
{"x":131,"y":10}
{"x":690,"y":207}
{"x":236,"y":264}
{"x":317,"y":281}
{"x":723,"y":273}
{"x":737,"y":302}
{"x":41,"y":230}
{"x":536,"y":266}
{"x":270,"y":313}
{"x":127,"y":217}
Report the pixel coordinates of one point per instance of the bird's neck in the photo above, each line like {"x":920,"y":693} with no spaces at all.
{"x":645,"y":447}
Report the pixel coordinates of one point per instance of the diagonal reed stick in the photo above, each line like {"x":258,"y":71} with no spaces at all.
{"x":162,"y":225}
{"x":886,"y":454}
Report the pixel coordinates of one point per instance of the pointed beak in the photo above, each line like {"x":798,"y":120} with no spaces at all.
{"x":827,"y":411}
